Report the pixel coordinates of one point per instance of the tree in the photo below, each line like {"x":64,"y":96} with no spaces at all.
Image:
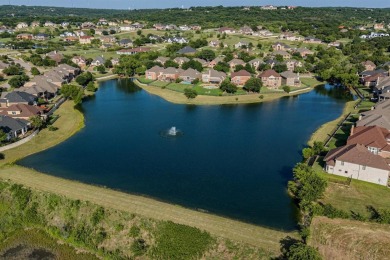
{"x":3,"y":136}
{"x":84,"y":78}
{"x":73,"y":92}
{"x":36,"y":122}
{"x":101,"y":69}
{"x":222,"y":66}
{"x":91,"y":86}
{"x":287,"y":89}
{"x":228,"y":86}
{"x":318,"y":147}
{"x":35,"y":71}
{"x":205,"y":54}
{"x":307,"y":152}
{"x":253,"y":85}
{"x":280,"y":67}
{"x":301,"y":251}
{"x":190,"y":93}
{"x":13,"y":70}
{"x":18,"y":81}
{"x":171,"y":63}
{"x":192,"y":64}
{"x":108,"y":63}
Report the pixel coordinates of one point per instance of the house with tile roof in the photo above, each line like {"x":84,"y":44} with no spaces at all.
{"x":190,"y":75}
{"x":357,"y":162}
{"x":289,"y":78}
{"x":213,"y":77}
{"x":21,"y":111}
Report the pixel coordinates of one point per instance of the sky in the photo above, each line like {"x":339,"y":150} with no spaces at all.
{"x":140,"y":4}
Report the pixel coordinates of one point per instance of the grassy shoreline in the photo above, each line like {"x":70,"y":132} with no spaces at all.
{"x":179,"y":98}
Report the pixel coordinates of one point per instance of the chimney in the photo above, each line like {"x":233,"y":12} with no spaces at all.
{"x":352,"y":130}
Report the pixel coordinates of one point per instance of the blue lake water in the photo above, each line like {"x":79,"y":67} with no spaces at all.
{"x":232,"y":160}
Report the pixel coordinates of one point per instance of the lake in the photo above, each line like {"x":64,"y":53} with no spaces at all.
{"x":231,"y":160}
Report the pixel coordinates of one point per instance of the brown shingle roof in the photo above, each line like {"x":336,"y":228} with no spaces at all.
{"x":269,"y":73}
{"x":370,"y":136}
{"x":241,"y":73}
{"x":356,"y":154}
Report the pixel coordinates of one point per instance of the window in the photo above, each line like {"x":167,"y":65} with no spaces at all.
{"x":363,"y":167}
{"x":342,"y":163}
{"x":346,"y":172}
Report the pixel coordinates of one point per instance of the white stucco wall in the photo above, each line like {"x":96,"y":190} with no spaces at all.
{"x":369,"y":174}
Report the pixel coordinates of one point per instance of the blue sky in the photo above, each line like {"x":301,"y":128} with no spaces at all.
{"x":138,"y":4}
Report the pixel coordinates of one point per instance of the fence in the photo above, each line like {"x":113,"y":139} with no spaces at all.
{"x":18,"y":143}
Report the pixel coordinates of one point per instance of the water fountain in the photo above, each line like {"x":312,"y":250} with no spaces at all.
{"x":172,"y":131}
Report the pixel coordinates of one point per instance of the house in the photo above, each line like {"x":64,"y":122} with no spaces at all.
{"x":184,"y":28}
{"x":24,"y":36}
{"x":88,"y":25}
{"x":161,"y":60}
{"x":255,"y":63}
{"x":312,"y":40}
{"x":356,"y":162}
{"x":215,"y":62}
{"x":379,"y":26}
{"x":303,"y":51}
{"x":265,"y":33}
{"x":290,"y":37}
{"x":181,"y":60}
{"x":196,"y":27}
{"x":187,"y":50}
{"x":240,"y":77}
{"x":201,"y":61}
{"x":279,"y":46}
{"x":377,"y":116}
{"x":381,"y":84}
{"x":241,"y":44}
{"x":153,"y":72}
{"x":159,"y":26}
{"x":22,"y":111}
{"x":292,"y":64}
{"x":41,"y":37}
{"x":376,"y":139}
{"x":21,"y":25}
{"x":214,"y":43}
{"x":115,"y":61}
{"x":17,"y":97}
{"x":268,"y":7}
{"x":290,"y":79}
{"x":35,"y":24}
{"x":79,"y":60}
{"x":372,"y":80}
{"x":14,"y":128}
{"x":49,"y":24}
{"x":80,"y":33}
{"x":85,"y":39}
{"x":271,"y":79}
{"x":226,"y":30}
{"x":126,"y":43}
{"x":99,"y":60}
{"x":169,"y":74}
{"x":213,"y":77}
{"x":334,"y":44}
{"x":44,"y":86}
{"x":368,"y":65}
{"x":284,"y":54}
{"x":246,"y":30}
{"x":71,"y":39}
{"x":108,"y":39}
{"x":234,"y":62}
{"x":55,"y":55}
{"x":133,"y":51}
{"x":190,"y":75}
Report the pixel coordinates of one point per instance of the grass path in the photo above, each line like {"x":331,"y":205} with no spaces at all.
{"x":223,"y":227}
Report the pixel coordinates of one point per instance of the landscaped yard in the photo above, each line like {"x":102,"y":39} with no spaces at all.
{"x":311,"y":82}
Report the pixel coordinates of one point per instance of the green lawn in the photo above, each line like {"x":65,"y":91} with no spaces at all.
{"x":143,"y":80}
{"x":365,"y":105}
{"x":311,"y":82}
{"x":355,"y":197}
{"x":159,"y":84}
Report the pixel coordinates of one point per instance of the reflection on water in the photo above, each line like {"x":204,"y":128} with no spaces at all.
{"x":337,"y":92}
{"x":127,"y":85}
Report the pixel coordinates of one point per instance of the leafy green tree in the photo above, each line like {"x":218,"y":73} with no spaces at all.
{"x":35,"y":71}
{"x":18,"y":81}
{"x":190,"y":93}
{"x":101,"y":69}
{"x":205,"y":54}
{"x":13,"y":70}
{"x":222,"y":66}
{"x":91,"y":87}
{"x":3,"y":136}
{"x":318,"y":147}
{"x":171,"y":63}
{"x":301,"y":251}
{"x":307,"y":152}
{"x":253,"y":85}
{"x":36,"y":122}
{"x":287,"y":89}
{"x":84,"y":78}
{"x":228,"y":86}
{"x":108,"y":63}
{"x":280,"y":67}
{"x":73,"y":92}
{"x":192,"y":64}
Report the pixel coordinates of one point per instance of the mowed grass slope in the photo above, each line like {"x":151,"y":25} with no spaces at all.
{"x":222,"y":227}
{"x":347,"y":239}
